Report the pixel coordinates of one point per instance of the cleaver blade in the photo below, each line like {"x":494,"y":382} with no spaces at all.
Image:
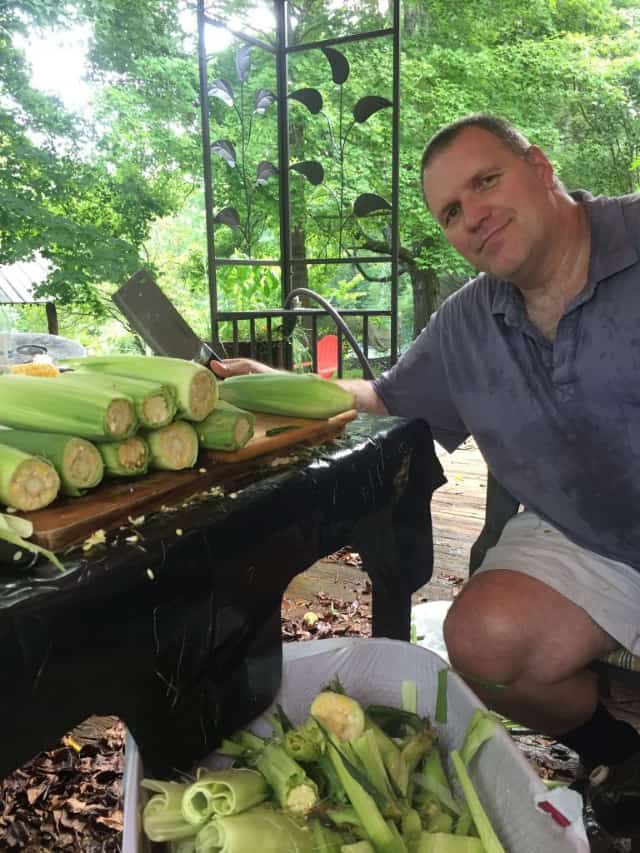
{"x":158,"y":322}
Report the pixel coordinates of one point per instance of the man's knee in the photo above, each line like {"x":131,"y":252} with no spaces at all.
{"x":484,"y":637}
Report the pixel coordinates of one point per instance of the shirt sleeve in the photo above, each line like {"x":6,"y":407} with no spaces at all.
{"x":417,"y":387}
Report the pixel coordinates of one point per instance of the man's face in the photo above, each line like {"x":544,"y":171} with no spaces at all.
{"x":495,"y":207}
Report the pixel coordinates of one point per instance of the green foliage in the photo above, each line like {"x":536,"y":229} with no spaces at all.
{"x":100,"y":198}
{"x":83,"y":195}
{"x":254,"y":288}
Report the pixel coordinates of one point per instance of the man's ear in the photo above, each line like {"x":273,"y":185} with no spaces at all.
{"x":540,"y":162}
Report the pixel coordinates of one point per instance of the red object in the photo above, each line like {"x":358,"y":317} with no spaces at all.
{"x":559,"y":818}
{"x":327,"y":353}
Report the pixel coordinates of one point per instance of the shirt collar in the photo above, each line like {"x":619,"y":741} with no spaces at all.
{"x":612,"y":247}
{"x":612,"y":250}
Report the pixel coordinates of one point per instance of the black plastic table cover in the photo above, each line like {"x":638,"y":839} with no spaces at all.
{"x":178,"y":633}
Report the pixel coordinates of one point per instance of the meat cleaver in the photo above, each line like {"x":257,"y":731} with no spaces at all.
{"x":157,"y":321}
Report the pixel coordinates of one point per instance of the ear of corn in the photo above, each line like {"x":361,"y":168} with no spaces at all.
{"x":340,"y":714}
{"x":173,"y":447}
{"x":440,"y":842}
{"x":219,"y":793}
{"x":162,"y":815}
{"x":302,"y":395}
{"x":195,"y":386}
{"x":26,"y":482}
{"x":154,"y":402}
{"x":35,"y":368}
{"x":127,"y":458}
{"x":226,"y":428}
{"x":260,"y":828}
{"x":76,"y":460}
{"x":50,"y":405}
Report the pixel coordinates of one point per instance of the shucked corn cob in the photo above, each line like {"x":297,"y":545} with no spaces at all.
{"x":173,"y":447}
{"x":26,"y":482}
{"x":302,"y":395}
{"x":76,"y":460}
{"x":154,"y":401}
{"x":226,"y":428}
{"x":196,"y":389}
{"x":126,"y":458}
{"x":51,"y":405}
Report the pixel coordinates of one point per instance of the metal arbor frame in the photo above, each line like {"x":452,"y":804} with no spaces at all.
{"x":281,"y":52}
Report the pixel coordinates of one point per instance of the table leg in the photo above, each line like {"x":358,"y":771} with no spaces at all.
{"x":391,"y":616}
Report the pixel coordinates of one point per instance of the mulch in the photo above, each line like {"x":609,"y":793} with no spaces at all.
{"x":69,"y":798}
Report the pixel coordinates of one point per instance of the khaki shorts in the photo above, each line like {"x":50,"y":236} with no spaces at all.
{"x":609,"y":591}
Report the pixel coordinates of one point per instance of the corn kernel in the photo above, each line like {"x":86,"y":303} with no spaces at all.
{"x":33,"y":369}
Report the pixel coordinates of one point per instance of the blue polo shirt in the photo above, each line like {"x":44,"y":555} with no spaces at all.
{"x":557,"y":422}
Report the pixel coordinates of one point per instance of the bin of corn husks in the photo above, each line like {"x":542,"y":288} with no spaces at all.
{"x":404,"y":760}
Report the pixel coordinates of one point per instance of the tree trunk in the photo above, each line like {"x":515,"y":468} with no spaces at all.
{"x":424,"y":283}
{"x":415,"y":17}
{"x":299,"y":272}
{"x":425,"y":288}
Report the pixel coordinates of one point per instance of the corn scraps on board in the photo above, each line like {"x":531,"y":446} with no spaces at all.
{"x":70,"y":521}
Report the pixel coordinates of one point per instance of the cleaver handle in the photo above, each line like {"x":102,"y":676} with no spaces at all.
{"x":207,"y":354}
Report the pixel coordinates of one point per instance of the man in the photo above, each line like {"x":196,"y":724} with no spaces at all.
{"x":538,"y":358}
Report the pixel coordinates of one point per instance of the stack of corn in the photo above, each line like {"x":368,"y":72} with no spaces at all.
{"x":60,"y":432}
{"x":63,"y":431}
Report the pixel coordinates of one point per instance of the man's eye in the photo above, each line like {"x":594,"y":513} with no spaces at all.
{"x":451,"y":214}
{"x":488,"y":181}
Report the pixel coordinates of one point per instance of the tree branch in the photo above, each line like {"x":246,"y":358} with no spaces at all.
{"x":368,"y":277}
{"x":381,"y":247}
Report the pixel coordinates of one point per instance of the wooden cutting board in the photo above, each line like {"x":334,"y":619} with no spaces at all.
{"x":69,"y":521}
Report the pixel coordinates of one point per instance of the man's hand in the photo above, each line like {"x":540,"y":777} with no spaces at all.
{"x":239,"y":367}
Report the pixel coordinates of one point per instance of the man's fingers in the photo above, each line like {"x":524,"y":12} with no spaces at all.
{"x":234,"y":367}
{"x":219,"y":368}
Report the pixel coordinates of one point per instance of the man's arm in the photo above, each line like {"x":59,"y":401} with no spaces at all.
{"x":365,"y":396}
{"x":366,"y":399}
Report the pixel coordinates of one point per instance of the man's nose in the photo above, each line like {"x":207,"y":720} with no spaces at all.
{"x":474,"y":211}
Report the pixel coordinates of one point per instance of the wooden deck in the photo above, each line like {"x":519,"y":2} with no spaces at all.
{"x":458,"y":512}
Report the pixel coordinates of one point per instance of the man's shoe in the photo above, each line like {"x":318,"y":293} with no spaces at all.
{"x":613,"y":794}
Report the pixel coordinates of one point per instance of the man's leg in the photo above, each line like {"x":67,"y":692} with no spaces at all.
{"x":506,"y":628}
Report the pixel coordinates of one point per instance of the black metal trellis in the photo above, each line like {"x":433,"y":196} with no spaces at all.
{"x":281,"y":51}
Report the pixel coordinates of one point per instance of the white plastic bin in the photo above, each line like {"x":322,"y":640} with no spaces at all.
{"x":372,"y":671}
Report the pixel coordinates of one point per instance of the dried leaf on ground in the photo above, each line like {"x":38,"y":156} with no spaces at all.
{"x":332,"y":617}
{"x":67,"y":800}
{"x":345,"y":555}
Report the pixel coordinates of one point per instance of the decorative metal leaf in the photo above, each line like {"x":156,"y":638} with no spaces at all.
{"x":369,"y":105}
{"x":264,"y":99}
{"x":223,"y":148}
{"x":243,"y":62}
{"x":265,"y":171}
{"x":311,"y":169}
{"x":370,"y":203}
{"x":222,"y":89}
{"x":227,"y":216}
{"x":339,"y":64}
{"x":311,"y":98}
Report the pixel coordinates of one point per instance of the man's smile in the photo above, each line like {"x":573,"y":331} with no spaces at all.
{"x":494,"y":233}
